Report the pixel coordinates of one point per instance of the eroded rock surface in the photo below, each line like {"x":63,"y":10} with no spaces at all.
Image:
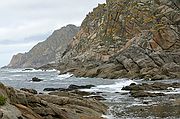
{"x":24,"y":105}
{"x":123,"y":38}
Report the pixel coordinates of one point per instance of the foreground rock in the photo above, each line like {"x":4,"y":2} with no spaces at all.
{"x":74,"y":90}
{"x":24,"y":105}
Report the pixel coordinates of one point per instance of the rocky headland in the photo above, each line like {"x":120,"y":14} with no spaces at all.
{"x":123,"y":38}
{"x":45,"y":52}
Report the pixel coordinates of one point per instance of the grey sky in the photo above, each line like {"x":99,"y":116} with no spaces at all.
{"x":25,"y":22}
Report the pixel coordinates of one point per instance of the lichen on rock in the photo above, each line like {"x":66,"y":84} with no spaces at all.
{"x":142,"y":37}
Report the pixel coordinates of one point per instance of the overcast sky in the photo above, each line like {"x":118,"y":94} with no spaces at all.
{"x":24,"y":23}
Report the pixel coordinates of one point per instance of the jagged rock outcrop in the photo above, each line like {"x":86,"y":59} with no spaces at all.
{"x":64,"y":105}
{"x":45,"y":52}
{"x":125,"y":38}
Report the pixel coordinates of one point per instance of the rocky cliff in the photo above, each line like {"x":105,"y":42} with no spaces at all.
{"x":45,"y":52}
{"x":125,"y":38}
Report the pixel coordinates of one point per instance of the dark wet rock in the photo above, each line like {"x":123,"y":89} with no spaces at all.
{"x":153,"y":86}
{"x":145,"y":102}
{"x":33,"y":91}
{"x":141,"y":90}
{"x":27,"y":69}
{"x":53,"y":89}
{"x":176,"y":85}
{"x":138,"y":94}
{"x":134,"y":87}
{"x":74,"y":87}
{"x":82,"y":93}
{"x":35,"y":79}
{"x":70,"y":88}
{"x":96,"y":97}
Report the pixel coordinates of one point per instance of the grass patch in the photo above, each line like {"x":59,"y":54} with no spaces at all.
{"x":2,"y":100}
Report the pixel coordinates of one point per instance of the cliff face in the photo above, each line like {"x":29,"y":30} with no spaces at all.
{"x":45,"y":52}
{"x":125,"y":38}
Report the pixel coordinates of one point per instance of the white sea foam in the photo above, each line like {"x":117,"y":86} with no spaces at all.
{"x":108,"y":116}
{"x":33,"y":70}
{"x":64,"y":76}
{"x":17,"y":75}
{"x":116,"y":87}
{"x":29,"y":70}
{"x":174,"y":91}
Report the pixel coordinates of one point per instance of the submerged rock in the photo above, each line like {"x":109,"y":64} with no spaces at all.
{"x":51,"y":89}
{"x":138,"y":94}
{"x":73,"y":87}
{"x":35,"y":79}
{"x":70,"y":88}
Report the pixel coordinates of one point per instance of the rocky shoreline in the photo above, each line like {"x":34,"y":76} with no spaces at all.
{"x":27,"y":104}
{"x":140,"y":99}
{"x":119,"y":39}
{"x":153,"y":100}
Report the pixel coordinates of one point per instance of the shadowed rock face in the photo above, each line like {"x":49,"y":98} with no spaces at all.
{"x":45,"y":52}
{"x":125,"y":38}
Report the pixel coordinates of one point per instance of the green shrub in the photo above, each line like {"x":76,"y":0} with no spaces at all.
{"x":2,"y":100}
